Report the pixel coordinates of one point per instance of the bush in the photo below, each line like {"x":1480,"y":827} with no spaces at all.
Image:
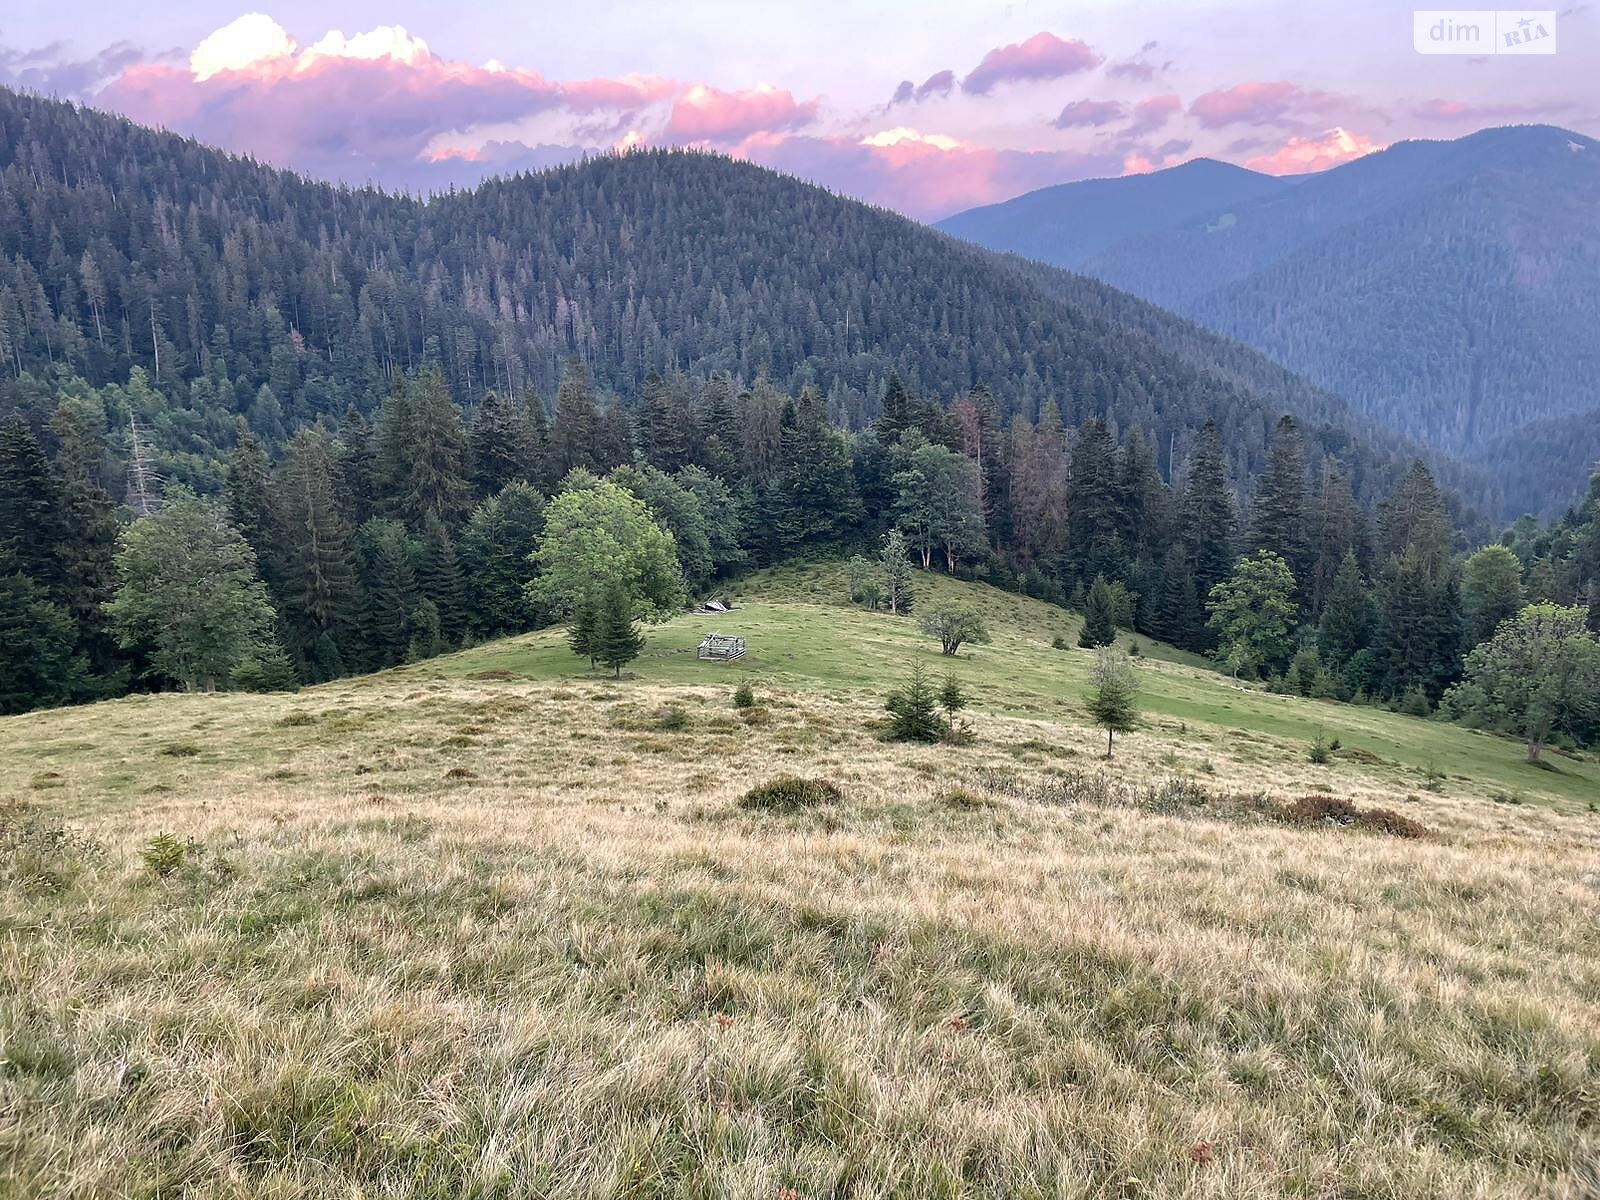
{"x":1334,"y":810}
{"x":671,"y":718}
{"x":744,"y":696}
{"x":790,"y":793}
{"x":39,"y":855}
{"x":1321,"y":753}
{"x":1059,"y":643}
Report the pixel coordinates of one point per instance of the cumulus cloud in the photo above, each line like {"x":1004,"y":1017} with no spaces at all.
{"x":1089,"y":112}
{"x":1137,"y":68}
{"x":1317,"y":153}
{"x":706,"y":114}
{"x":1277,"y":103}
{"x":1043,"y":56}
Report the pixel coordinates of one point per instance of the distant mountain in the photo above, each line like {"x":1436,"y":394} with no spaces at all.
{"x":245,"y":291}
{"x":1071,"y":223}
{"x":1451,"y":289}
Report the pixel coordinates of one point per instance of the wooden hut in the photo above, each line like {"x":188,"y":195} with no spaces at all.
{"x":720,"y":647}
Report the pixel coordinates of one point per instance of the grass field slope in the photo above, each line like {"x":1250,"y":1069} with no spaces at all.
{"x":495,"y":926}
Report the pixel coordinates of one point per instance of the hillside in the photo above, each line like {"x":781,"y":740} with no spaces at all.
{"x":218,"y":277}
{"x":1445,"y":288}
{"x":492,"y":925}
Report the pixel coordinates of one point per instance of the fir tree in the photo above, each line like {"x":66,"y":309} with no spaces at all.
{"x":574,"y":437}
{"x":617,"y":640}
{"x":246,"y":490}
{"x":914,"y":710}
{"x":389,"y":589}
{"x":32,"y":522}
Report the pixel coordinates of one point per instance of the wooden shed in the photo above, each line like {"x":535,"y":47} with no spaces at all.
{"x":720,"y":647}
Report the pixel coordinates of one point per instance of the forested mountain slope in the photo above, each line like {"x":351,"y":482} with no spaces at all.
{"x":1070,"y":223}
{"x":1449,"y":289}
{"x":242,"y":290}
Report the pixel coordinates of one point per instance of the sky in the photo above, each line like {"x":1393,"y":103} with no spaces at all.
{"x":927,"y":108}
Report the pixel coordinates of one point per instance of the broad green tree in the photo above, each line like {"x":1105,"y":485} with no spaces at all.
{"x":189,"y":591}
{"x":1253,"y":612}
{"x":954,"y":625}
{"x":601,"y":536}
{"x":1539,"y":675}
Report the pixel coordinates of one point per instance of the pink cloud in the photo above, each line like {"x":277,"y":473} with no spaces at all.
{"x":370,"y":107}
{"x":1302,"y":154}
{"x":1043,"y":56}
{"x":1278,"y":103}
{"x":924,"y":175}
{"x":705,"y":114}
{"x":1153,"y":113}
{"x":1089,"y":112}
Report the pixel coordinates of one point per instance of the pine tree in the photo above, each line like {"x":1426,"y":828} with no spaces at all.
{"x":1341,"y":530}
{"x":37,"y":664}
{"x":617,"y":641}
{"x":1099,"y":616}
{"x":895,"y":418}
{"x":914,"y":710}
{"x":500,"y":438}
{"x":496,"y":556}
{"x":1177,"y":604}
{"x":665,"y":426}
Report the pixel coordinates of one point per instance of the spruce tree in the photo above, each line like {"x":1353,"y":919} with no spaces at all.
{"x":246,"y":490}
{"x":500,"y":439}
{"x":1279,"y":517}
{"x":1113,"y":700}
{"x":574,"y":437}
{"x":439,"y":578}
{"x":582,"y":629}
{"x":1346,"y":624}
{"x":1094,"y":512}
{"x":1099,"y":616}
{"x":389,"y":590}
{"x":32,"y":518}
{"x":313,"y":555}
{"x":437,"y":469}
{"x":617,"y":640}
{"x":1208,"y":513}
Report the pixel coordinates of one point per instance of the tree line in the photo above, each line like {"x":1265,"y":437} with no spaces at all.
{"x":364,"y":544}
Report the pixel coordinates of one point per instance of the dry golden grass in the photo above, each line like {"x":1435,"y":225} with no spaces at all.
{"x":505,"y":939}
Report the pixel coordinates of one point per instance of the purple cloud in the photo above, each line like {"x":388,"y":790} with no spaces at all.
{"x":1089,"y":112}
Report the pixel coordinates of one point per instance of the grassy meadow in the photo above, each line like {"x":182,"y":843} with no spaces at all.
{"x":492,"y":926}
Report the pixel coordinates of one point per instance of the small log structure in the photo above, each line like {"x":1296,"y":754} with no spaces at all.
{"x":720,"y":647}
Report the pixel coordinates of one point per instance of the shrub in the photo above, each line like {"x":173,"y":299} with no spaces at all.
{"x":790,"y":793}
{"x":744,"y":696}
{"x":1321,"y":753}
{"x":1059,"y":643}
{"x":954,"y":625}
{"x":671,"y":718}
{"x":41,"y":856}
{"x":1335,"y":810}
